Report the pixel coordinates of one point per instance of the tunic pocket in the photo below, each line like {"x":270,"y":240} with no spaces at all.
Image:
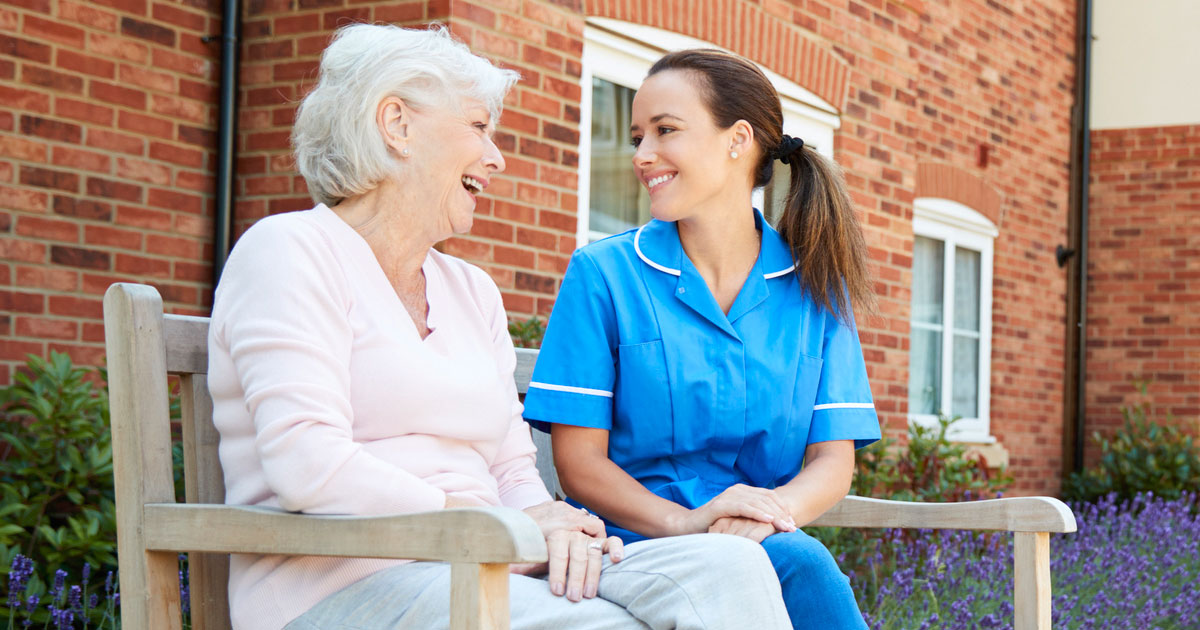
{"x":642,"y":399}
{"x":794,"y":440}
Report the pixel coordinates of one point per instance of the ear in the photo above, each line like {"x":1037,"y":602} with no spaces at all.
{"x":393,"y":117}
{"x":741,"y":137}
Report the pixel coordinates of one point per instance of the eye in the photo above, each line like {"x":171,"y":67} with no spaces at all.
{"x":635,"y":141}
{"x":664,"y":130}
{"x":482,"y":126}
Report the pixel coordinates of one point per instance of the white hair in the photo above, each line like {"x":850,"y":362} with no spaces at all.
{"x":336,"y":142}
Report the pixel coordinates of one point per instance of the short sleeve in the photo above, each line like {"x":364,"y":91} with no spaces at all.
{"x":573,"y":378}
{"x":844,"y":409}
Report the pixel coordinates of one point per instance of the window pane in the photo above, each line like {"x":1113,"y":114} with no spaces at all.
{"x":925,"y":372}
{"x":966,"y":289}
{"x":928,"y":256}
{"x":617,"y":199}
{"x":965,"y":390}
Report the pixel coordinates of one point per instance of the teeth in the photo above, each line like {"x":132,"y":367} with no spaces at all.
{"x":472,"y":184}
{"x":659,"y":180}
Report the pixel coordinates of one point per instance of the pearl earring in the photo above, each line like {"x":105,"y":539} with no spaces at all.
{"x":405,"y":152}
{"x":733,"y":154}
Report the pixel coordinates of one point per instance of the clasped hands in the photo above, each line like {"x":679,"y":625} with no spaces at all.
{"x":575,"y":545}
{"x":741,"y":510}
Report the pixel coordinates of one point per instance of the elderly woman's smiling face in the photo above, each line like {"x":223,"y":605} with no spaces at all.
{"x":451,"y":159}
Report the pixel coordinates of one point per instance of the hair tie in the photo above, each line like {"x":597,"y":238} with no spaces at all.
{"x":788,"y":146}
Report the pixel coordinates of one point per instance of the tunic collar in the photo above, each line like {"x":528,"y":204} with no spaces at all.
{"x":657,"y":244}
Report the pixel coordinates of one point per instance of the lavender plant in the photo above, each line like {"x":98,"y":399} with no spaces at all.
{"x":1132,"y":565}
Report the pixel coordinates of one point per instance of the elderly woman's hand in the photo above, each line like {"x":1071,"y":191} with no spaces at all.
{"x":575,"y":544}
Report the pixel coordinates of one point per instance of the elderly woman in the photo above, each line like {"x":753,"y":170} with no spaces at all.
{"x":356,"y":370}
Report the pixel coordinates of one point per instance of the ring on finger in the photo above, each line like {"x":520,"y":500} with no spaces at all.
{"x":596,"y":545}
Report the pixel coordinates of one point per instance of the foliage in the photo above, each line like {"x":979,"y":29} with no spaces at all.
{"x":64,"y":606}
{"x":929,"y":468}
{"x":56,"y":477}
{"x":1131,"y":565}
{"x":56,"y":483}
{"x":1141,"y":456}
{"x":527,"y":334}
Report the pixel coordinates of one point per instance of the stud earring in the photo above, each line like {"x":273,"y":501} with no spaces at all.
{"x":405,"y":152}
{"x":733,"y":154}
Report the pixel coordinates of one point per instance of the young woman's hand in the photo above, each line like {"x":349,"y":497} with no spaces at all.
{"x":575,"y":544}
{"x":744,"y":527}
{"x":741,"y":501}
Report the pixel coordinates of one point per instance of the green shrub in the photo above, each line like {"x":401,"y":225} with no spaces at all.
{"x":1141,"y":456}
{"x":56,"y":479}
{"x":527,"y":334}
{"x":929,"y":468}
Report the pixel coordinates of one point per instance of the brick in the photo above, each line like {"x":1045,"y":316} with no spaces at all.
{"x":45,"y":328}
{"x":49,"y":178}
{"x":143,"y":171}
{"x":22,"y":250}
{"x":87,"y":15}
{"x":177,"y":155}
{"x":151,"y":125}
{"x":87,"y":64}
{"x":197,"y":136}
{"x":53,"y":279}
{"x":103,"y":236}
{"x":142,"y":266}
{"x":71,"y":306}
{"x":172,"y":200}
{"x":24,"y":149}
{"x":44,"y":77}
{"x":24,"y":49}
{"x":27,"y":100}
{"x":48,"y":229}
{"x":23,"y":199}
{"x":148,"y":31}
{"x":81,"y":159}
{"x":186,"y":64}
{"x":118,"y":95}
{"x":80,"y":257}
{"x":173,"y":15}
{"x":149,"y":79}
{"x":83,"y":111}
{"x":119,"y":47}
{"x":143,"y":218}
{"x":82,"y":208}
{"x":179,"y":108}
{"x":115,"y":141}
{"x":114,"y":190}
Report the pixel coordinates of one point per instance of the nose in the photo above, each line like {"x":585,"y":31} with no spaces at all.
{"x":492,"y":158}
{"x":644,"y":155}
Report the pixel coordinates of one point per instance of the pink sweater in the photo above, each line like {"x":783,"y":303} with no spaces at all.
{"x":329,"y":402}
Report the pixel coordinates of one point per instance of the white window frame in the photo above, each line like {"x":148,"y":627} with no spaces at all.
{"x":958,"y":225}
{"x":622,"y":53}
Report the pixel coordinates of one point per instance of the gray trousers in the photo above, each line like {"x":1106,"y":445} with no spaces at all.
{"x":697,"y":582}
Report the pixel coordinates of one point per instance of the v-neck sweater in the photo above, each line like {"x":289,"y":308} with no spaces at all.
{"x":328,"y":401}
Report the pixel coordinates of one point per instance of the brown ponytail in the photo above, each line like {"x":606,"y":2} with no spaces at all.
{"x":818,"y":219}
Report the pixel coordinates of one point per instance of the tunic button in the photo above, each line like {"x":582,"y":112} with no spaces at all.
{"x":682,"y":289}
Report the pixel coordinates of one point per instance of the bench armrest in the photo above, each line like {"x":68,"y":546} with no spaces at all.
{"x":1017,"y":514}
{"x":472,"y":535}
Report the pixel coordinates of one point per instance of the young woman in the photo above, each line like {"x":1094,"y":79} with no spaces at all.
{"x":702,"y":373}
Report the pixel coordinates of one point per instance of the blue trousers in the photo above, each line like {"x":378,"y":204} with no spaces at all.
{"x":816,"y":592}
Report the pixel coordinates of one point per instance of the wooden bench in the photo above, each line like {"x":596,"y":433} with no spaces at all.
{"x":144,"y":346}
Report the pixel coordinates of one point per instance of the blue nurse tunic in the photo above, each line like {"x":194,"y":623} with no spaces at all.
{"x":696,"y":400}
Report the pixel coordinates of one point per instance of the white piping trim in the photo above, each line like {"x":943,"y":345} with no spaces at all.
{"x":843,"y":406}
{"x":675,"y":272}
{"x":571,"y":390}
{"x":768,"y":276}
{"x":638,"y":248}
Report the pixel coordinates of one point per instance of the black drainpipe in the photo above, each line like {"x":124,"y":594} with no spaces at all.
{"x":226,"y":135}
{"x":1081,"y":148}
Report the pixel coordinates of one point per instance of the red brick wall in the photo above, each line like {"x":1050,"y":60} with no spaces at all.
{"x":106,"y":136}
{"x":1144,"y":275}
{"x":918,"y":81}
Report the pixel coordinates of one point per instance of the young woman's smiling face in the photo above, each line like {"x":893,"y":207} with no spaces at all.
{"x":682,"y":157}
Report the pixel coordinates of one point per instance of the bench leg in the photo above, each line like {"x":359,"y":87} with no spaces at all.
{"x":1031,"y":580}
{"x":478,"y":596}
